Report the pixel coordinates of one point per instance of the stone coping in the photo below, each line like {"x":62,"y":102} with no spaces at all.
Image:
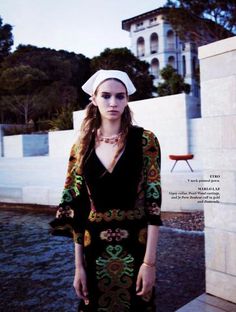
{"x":218,"y":47}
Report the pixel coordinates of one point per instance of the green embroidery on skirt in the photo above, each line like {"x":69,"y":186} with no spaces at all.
{"x":114,"y":274}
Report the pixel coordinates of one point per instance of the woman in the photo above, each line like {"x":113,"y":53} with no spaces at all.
{"x":111,"y":202}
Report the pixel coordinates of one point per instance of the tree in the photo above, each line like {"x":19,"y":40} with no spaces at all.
{"x":63,"y":119}
{"x":66,"y":72}
{"x":202,"y":21}
{"x":6,"y":39}
{"x":19,"y":87}
{"x":68,"y":69}
{"x":173,"y":82}
{"x":123,"y":59}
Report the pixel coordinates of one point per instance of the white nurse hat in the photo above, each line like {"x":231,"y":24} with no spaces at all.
{"x":94,"y":81}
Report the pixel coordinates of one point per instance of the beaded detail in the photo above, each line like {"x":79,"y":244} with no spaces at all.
{"x":113,"y":139}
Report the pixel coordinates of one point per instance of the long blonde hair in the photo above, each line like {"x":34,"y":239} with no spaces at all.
{"x":88,"y":130}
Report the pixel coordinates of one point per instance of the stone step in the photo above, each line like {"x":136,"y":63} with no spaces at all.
{"x":208,"y":303}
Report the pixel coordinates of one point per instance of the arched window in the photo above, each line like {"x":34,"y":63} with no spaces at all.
{"x":140,"y":47}
{"x":184,"y":65}
{"x":171,"y":61}
{"x":155,"y":68}
{"x":170,"y":40}
{"x":154,"y":43}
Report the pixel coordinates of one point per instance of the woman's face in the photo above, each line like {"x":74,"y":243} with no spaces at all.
{"x":111,"y":99}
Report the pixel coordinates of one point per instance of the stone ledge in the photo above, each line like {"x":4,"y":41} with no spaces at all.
{"x":49,"y":209}
{"x":218,"y":47}
{"x":208,"y":303}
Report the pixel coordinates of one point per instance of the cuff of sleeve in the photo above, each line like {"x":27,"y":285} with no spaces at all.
{"x":61,"y":227}
{"x":78,"y":238}
{"x":155,"y":221}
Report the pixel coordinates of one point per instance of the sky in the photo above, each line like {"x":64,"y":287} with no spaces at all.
{"x":80,"y":26}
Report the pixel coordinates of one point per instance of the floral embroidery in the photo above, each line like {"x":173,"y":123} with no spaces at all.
{"x":87,"y":238}
{"x":154,"y":209}
{"x":65,"y":212}
{"x":72,"y":187}
{"x":74,"y":180}
{"x":115,"y":270}
{"x":142,"y":237}
{"x":152,"y":190}
{"x":116,"y":214}
{"x":152,"y":172}
{"x":116,"y":235}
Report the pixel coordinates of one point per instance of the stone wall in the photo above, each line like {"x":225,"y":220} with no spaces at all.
{"x":24,"y":145}
{"x":218,"y":98}
{"x":60,"y":142}
{"x":3,"y":129}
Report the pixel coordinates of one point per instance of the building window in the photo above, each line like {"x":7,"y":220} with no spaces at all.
{"x":140,"y":47}
{"x":184,"y":65}
{"x":155,"y":68}
{"x":153,"y":21}
{"x":139,"y":26}
{"x":170,"y":40}
{"x":171,"y":61}
{"x":154,"y":43}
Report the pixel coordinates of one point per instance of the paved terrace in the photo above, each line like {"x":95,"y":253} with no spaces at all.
{"x":37,"y":268}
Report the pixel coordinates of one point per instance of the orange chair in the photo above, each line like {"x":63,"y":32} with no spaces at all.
{"x":185,"y":157}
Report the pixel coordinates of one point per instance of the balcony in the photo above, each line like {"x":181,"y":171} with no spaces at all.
{"x":170,"y":47}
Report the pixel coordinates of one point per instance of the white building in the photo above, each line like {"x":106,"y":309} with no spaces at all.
{"x":153,"y":40}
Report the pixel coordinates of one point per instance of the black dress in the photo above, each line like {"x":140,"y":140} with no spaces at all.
{"x":113,"y":228}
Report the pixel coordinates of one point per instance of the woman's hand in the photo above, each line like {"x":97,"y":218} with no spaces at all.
{"x":145,"y":280}
{"x":80,"y":284}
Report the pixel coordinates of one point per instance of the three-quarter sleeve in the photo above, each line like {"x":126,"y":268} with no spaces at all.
{"x":152,"y":183}
{"x":74,"y":205}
